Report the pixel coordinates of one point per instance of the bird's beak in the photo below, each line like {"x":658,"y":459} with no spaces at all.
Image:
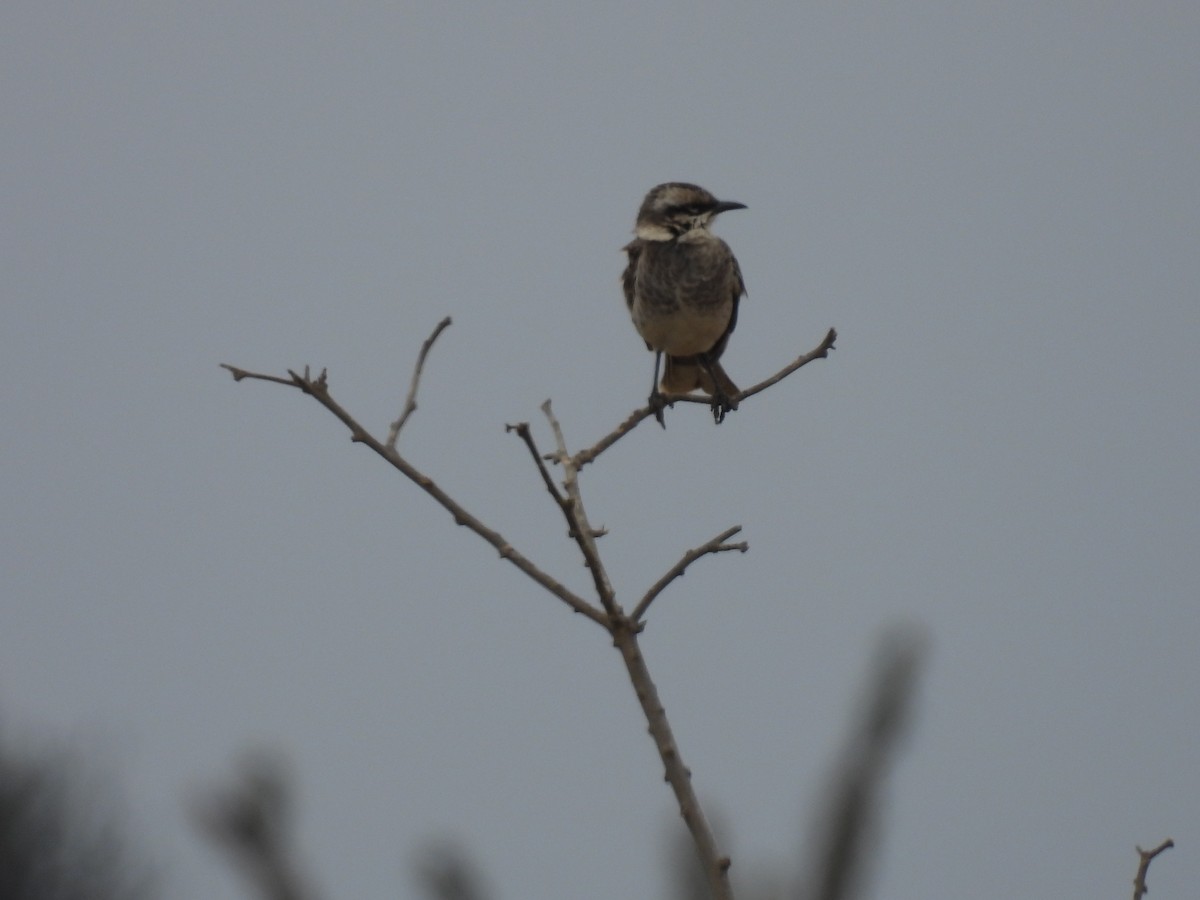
{"x":726,"y":205}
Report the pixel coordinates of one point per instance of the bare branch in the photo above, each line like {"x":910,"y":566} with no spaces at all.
{"x":821,"y":351}
{"x":581,"y":530}
{"x":583,"y":457}
{"x":624,"y":632}
{"x":1139,"y":883}
{"x":716,"y":545}
{"x":523,"y":432}
{"x":318,"y":389}
{"x":623,"y":628}
{"x":239,"y":374}
{"x":410,"y":402}
{"x":679,"y":776}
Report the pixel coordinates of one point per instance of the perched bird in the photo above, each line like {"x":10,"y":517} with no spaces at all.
{"x":682,"y":287}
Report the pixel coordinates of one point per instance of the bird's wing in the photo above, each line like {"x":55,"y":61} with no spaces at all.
{"x":737,"y":287}
{"x":634,"y":250}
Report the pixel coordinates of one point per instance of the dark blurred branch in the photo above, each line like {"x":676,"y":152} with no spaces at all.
{"x":252,"y":821}
{"x":56,"y":842}
{"x":1139,"y":882}
{"x":447,"y":874}
{"x":846,"y":832}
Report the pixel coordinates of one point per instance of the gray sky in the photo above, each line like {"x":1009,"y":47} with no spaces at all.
{"x":998,"y":206}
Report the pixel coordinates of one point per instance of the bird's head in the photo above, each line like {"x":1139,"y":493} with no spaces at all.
{"x":676,"y":208}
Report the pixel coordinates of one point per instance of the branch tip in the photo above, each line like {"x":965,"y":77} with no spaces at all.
{"x":410,"y":402}
{"x":1139,"y":882}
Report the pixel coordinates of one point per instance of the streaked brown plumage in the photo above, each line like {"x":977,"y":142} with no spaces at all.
{"x":682,"y":286}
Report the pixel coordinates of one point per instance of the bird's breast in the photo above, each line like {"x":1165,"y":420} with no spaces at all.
{"x":683,"y":295}
{"x":684,"y":332}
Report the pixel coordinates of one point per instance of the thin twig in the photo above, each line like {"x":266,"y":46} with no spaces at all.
{"x":581,"y":530}
{"x":821,"y":351}
{"x":239,"y":374}
{"x":716,"y":545}
{"x":523,"y":432}
{"x":1139,"y":883}
{"x":583,"y":457}
{"x":410,"y":402}
{"x":319,"y":390}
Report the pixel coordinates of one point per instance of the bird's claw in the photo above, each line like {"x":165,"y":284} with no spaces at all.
{"x":658,"y":403}
{"x":721,"y":404}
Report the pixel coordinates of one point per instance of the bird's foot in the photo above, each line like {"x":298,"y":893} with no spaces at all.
{"x":658,"y":403}
{"x":722,"y":404}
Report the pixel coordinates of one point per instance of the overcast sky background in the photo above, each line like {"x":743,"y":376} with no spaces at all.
{"x":997,"y":205}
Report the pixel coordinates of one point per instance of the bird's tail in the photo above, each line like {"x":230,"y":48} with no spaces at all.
{"x":685,"y":374}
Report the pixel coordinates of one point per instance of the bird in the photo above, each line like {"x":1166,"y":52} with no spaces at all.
{"x":682,"y":285}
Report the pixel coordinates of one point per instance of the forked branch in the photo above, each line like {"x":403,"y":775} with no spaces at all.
{"x":716,"y":545}
{"x":581,"y":529}
{"x":1139,"y":882}
{"x":318,"y":389}
{"x":624,"y":630}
